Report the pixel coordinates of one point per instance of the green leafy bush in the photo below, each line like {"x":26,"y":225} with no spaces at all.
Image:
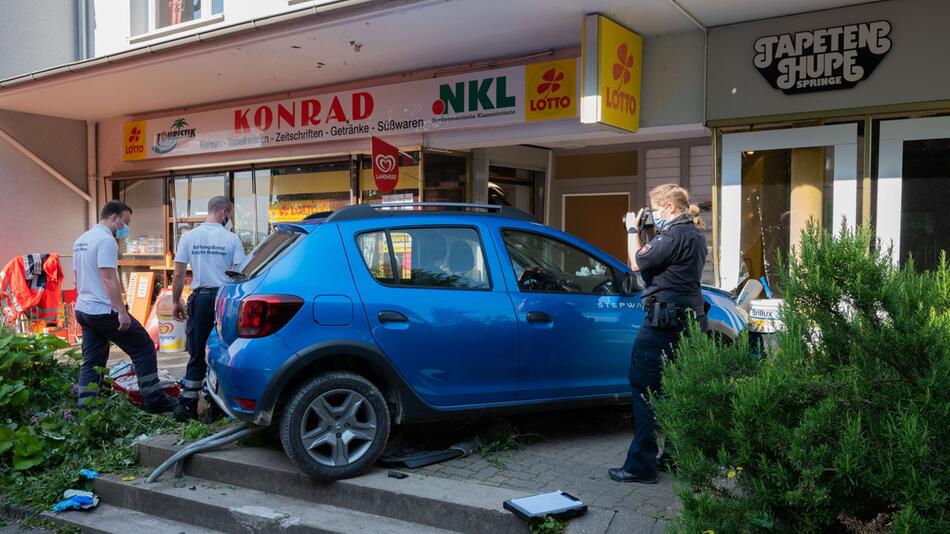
{"x":44,"y":440}
{"x":844,"y":427}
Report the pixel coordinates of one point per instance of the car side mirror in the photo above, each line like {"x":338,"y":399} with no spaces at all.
{"x":631,"y":284}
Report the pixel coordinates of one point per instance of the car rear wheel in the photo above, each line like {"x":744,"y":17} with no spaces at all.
{"x":335,"y":426}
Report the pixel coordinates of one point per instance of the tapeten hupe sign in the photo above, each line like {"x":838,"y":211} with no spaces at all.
{"x":487,"y":98}
{"x":824,"y":59}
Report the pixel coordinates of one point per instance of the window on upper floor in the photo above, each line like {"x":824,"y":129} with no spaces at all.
{"x":153,"y":16}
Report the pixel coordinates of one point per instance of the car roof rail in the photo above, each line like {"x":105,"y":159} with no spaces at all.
{"x":370,"y":211}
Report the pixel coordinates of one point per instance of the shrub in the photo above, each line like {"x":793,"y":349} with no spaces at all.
{"x":44,"y":440}
{"x":844,"y":426}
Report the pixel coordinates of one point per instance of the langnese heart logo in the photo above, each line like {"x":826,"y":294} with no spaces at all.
{"x":385,"y":162}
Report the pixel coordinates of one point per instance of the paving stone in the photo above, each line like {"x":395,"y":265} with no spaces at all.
{"x":577,"y":449}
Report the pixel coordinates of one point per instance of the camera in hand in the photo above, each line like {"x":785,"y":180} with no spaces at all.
{"x":646,"y":219}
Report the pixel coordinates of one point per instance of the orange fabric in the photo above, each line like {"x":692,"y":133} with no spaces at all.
{"x":17,"y":297}
{"x":15,"y":294}
{"x":51,"y":299}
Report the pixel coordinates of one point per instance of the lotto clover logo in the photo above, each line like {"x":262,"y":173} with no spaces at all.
{"x":623,"y":64}
{"x":135,"y":134}
{"x":550,"y":90}
{"x":551,"y":82}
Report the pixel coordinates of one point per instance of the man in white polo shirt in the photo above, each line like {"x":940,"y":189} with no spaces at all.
{"x":211,"y":249}
{"x":103,"y":316}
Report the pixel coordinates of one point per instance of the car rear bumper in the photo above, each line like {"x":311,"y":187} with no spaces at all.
{"x":242,"y":371}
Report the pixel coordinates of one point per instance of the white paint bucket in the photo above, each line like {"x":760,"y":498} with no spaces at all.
{"x":171,"y":335}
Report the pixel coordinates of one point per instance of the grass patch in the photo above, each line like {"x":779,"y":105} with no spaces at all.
{"x":506,"y":444}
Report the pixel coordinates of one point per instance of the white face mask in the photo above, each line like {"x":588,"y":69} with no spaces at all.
{"x":228,"y":225}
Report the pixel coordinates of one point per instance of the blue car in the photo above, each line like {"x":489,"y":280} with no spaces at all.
{"x":340,"y":327}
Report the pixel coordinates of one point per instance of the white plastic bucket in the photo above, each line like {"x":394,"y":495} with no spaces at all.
{"x":171,"y":335}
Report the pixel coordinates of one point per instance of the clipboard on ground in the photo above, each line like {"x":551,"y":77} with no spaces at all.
{"x":557,"y":504}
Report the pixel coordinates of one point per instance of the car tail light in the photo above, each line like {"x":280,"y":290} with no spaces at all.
{"x":262,"y":315}
{"x":246,"y":404}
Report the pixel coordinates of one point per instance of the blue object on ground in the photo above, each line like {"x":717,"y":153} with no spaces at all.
{"x":76,"y":500}
{"x":88,"y":474}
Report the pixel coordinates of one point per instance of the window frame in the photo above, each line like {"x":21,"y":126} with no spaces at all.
{"x":152,"y":31}
{"x":618,"y":282}
{"x":392,"y":255}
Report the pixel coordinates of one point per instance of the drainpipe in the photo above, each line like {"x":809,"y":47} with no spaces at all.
{"x":83,"y":12}
{"x":92,"y":171}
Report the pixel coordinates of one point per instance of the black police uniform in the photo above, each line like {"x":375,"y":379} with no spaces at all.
{"x":672,"y":268}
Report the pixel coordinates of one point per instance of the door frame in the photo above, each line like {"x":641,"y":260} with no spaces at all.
{"x":844,"y":139}
{"x":891,"y":168}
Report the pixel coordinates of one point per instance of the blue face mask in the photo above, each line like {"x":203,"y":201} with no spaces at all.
{"x":659,"y":221}
{"x":122,"y":232}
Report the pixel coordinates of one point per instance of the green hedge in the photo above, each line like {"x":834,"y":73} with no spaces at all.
{"x":844,"y":427}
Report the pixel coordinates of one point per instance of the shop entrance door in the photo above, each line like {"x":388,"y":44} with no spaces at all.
{"x":913,"y":185}
{"x":773,"y":184}
{"x":597,"y":218}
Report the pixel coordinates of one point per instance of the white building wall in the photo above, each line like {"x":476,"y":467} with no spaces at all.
{"x":112,"y":20}
{"x":36,"y":34}
{"x":39,"y":213}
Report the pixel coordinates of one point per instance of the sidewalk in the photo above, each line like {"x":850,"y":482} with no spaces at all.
{"x":573,"y":453}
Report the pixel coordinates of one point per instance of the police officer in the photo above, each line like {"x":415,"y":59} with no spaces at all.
{"x":102,"y":313}
{"x":672,"y":268}
{"x":211,"y":249}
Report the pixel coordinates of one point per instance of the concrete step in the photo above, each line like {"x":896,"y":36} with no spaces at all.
{"x":110,"y":519}
{"x":448,"y":504}
{"x":238,"y":510}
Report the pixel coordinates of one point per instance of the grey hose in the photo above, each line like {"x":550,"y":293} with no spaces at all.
{"x":225,"y":437}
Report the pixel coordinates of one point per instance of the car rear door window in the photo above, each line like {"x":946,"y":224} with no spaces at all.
{"x":374,"y":247}
{"x":543,"y":263}
{"x":268,"y":249}
{"x":433,"y":257}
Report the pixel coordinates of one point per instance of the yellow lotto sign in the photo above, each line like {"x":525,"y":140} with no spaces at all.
{"x":612,"y":59}
{"x":551,"y":90}
{"x":134,"y":140}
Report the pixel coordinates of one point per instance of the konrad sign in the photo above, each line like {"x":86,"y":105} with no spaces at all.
{"x":542,"y":91}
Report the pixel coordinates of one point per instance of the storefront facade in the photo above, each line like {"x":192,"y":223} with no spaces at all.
{"x":506,"y":134}
{"x":838,"y":117}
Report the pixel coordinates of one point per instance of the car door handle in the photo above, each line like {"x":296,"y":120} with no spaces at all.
{"x":538,"y":317}
{"x":392,"y":317}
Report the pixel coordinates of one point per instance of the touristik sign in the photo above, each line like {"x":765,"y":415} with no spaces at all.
{"x":824,"y":59}
{"x":487,"y":98}
{"x":612,"y":58}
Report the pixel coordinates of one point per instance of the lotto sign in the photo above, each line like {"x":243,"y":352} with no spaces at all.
{"x":612,"y":65}
{"x":134,"y":135}
{"x":551,"y":90}
{"x":385,"y":165}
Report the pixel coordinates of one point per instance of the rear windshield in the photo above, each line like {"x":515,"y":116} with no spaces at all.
{"x":266,"y":251}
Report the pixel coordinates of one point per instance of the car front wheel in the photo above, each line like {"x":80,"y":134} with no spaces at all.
{"x":335,"y":426}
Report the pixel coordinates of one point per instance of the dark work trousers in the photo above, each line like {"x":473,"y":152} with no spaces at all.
{"x":197,"y":330}
{"x":97,"y":332}
{"x":652,"y":346}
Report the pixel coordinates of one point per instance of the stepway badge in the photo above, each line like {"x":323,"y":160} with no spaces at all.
{"x":823,"y":59}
